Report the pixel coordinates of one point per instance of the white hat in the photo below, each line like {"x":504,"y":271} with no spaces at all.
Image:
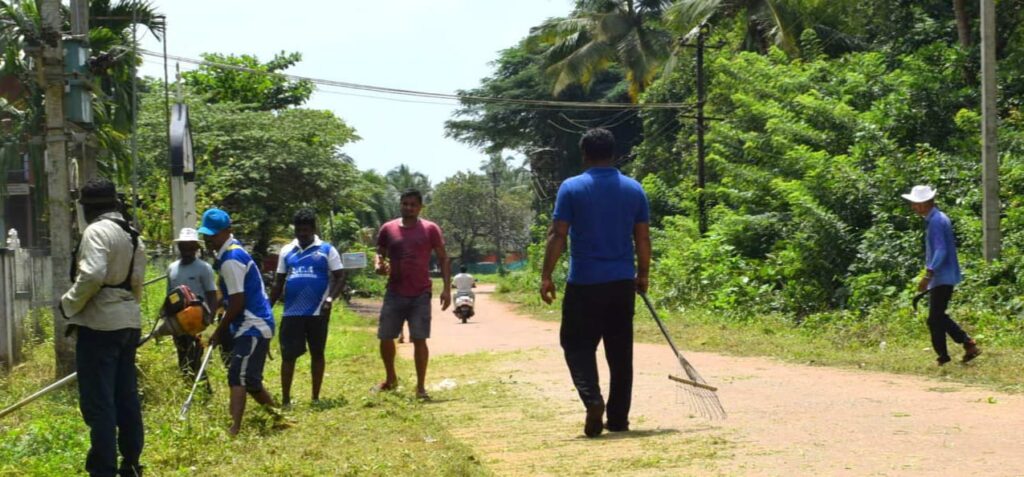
{"x":919,"y":194}
{"x":187,"y":235}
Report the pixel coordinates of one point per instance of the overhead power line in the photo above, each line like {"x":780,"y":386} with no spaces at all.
{"x":537,"y":103}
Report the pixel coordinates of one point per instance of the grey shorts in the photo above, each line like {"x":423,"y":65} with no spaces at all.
{"x":398,"y":309}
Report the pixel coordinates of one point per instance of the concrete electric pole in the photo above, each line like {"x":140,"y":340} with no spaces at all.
{"x":57,"y":182}
{"x":991,"y":234}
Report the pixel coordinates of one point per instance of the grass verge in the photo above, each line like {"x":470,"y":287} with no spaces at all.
{"x":998,"y":368}
{"x":351,"y":432}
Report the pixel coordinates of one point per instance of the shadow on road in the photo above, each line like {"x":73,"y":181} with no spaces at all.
{"x":636,"y":434}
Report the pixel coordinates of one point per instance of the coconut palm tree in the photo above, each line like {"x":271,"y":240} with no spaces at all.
{"x":402,"y":178}
{"x":600,"y":33}
{"x":771,"y":22}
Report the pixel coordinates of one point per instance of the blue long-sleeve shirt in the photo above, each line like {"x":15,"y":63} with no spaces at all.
{"x":940,"y":250}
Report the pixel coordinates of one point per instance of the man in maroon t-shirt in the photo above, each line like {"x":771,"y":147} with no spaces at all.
{"x":403,"y":253}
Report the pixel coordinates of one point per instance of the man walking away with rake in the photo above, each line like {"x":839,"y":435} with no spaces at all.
{"x":942,"y":273}
{"x":606,"y":216}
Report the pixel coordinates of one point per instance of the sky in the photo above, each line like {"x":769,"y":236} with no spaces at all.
{"x":429,"y":45}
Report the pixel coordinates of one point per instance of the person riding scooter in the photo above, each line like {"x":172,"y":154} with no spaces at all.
{"x":464,"y":283}
{"x":464,"y":297}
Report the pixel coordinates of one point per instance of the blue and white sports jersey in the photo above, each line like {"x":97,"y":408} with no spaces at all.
{"x":308,"y":273}
{"x":239,"y":274}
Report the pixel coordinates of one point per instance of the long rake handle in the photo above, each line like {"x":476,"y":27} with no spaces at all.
{"x":661,"y":326}
{"x":199,"y":376}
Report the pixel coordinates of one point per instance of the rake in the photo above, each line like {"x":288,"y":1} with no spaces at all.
{"x":703,"y":398}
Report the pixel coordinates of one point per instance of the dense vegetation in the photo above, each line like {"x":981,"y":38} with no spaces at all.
{"x":825,"y":112}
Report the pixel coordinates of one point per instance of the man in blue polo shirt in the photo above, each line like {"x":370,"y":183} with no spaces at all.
{"x":941,"y":274}
{"x":247,"y":321}
{"x":310,"y":275}
{"x":605,"y":215}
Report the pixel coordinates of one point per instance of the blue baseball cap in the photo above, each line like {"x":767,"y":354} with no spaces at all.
{"x":214,"y":220}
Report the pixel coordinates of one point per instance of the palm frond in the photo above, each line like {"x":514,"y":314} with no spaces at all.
{"x":580,"y":66}
{"x":684,"y":15}
{"x":125,"y":13}
{"x":783,"y":26}
{"x":555,"y":29}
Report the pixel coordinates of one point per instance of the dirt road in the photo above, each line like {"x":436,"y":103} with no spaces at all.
{"x":784,"y":419}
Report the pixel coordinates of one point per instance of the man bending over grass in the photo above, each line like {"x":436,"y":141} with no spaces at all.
{"x":248,"y":322}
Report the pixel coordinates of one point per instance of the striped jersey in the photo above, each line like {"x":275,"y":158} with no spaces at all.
{"x":240,"y":274}
{"x":308,"y":275}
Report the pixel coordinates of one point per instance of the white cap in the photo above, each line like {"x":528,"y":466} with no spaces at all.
{"x":187,"y":235}
{"x":919,"y":194}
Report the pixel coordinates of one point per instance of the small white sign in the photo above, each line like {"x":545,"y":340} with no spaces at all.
{"x":353,"y":260}
{"x":17,"y":189}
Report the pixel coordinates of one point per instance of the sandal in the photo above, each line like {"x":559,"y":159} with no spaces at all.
{"x":381,"y":387}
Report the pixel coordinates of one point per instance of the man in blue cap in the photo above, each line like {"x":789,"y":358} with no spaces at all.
{"x":248,"y":322}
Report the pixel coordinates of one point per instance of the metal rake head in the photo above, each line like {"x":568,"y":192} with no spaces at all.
{"x":702,"y":397}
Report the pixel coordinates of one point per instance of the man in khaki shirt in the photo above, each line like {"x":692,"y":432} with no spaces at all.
{"x":102,"y":306}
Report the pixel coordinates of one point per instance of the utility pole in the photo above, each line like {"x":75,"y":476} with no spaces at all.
{"x":991,"y":235}
{"x":57,"y":183}
{"x":702,"y":36}
{"x":495,"y":178}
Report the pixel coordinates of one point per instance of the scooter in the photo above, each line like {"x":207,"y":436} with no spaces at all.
{"x":464,"y":306}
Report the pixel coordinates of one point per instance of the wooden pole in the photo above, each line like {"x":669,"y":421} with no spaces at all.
{"x":702,"y":224}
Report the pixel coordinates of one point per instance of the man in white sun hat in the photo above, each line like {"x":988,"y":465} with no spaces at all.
{"x":198,"y":276}
{"x":942,"y":273}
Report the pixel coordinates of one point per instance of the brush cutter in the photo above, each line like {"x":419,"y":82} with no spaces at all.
{"x":199,"y":377}
{"x":702,"y":395}
{"x":183,"y":313}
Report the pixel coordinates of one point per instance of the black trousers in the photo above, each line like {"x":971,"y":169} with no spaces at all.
{"x":595,"y":313}
{"x":190,"y":354}
{"x":939,"y":322}
{"x":109,"y":400}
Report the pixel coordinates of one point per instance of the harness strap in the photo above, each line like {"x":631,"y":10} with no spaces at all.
{"x":127,"y":283}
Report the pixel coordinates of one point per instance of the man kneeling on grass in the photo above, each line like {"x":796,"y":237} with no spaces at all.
{"x":248,"y":324}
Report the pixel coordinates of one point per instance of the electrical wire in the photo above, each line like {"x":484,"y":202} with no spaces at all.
{"x":462,"y":98}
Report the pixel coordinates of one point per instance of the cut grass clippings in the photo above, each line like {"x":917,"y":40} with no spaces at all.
{"x":494,"y":405}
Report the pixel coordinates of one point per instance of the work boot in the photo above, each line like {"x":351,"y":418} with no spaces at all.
{"x":971,"y":350}
{"x":594,"y":424}
{"x":943,"y":360}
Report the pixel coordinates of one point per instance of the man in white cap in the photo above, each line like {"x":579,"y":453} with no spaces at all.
{"x":942,"y":273}
{"x":198,"y":276}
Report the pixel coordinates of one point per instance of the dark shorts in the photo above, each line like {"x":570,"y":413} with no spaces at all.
{"x":296,"y":331}
{"x":248,"y":355}
{"x":398,"y":309}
